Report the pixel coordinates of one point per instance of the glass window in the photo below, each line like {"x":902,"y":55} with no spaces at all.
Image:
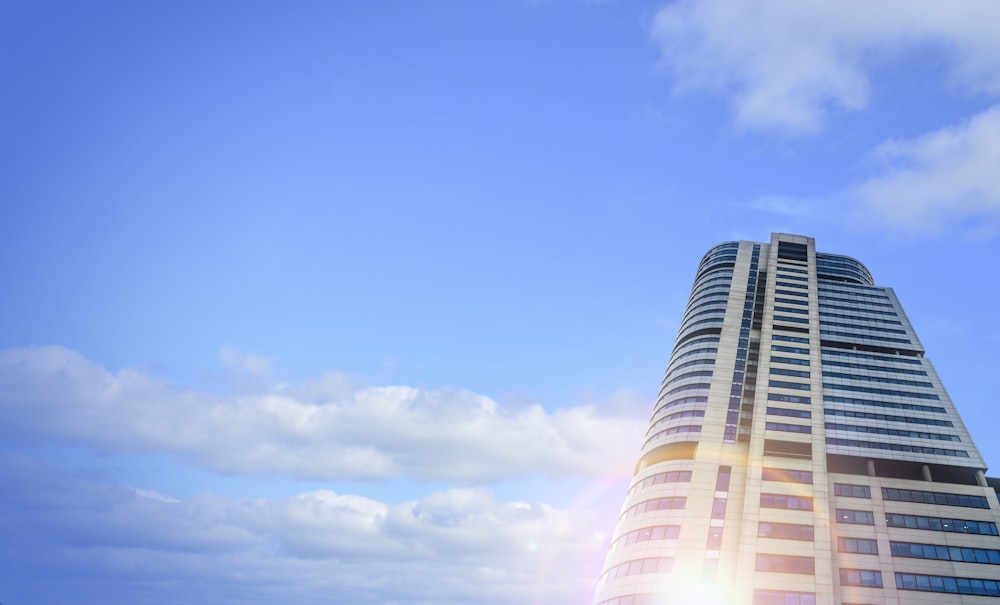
{"x":852,"y":491}
{"x":861,"y":577}
{"x":855,"y":517}
{"x":786,"y":501}
{"x":864,"y":546}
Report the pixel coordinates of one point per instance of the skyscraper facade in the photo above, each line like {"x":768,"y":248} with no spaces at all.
{"x":802,"y":451}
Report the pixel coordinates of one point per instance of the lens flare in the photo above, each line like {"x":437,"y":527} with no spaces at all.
{"x":697,"y":592}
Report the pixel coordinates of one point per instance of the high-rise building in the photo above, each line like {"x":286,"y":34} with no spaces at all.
{"x":802,"y":451}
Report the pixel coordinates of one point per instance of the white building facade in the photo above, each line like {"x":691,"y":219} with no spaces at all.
{"x":802,"y":451}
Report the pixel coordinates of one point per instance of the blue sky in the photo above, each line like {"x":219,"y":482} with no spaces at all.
{"x":368,"y":302}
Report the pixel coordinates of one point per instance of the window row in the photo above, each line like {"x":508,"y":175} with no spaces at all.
{"x":827,"y":261}
{"x":788,"y":398}
{"x":878,"y":430}
{"x":784,"y":349}
{"x":792,"y":277}
{"x":887,"y":417}
{"x":788,"y":428}
{"x":856,"y":336}
{"x":852,"y":491}
{"x":714,"y":300}
{"x":956,"y":526}
{"x":915,"y":407}
{"x":785,"y":531}
{"x":865,"y":366}
{"x":798,"y":339}
{"x":784,"y":384}
{"x":913,"y":495}
{"x":786,"y":475}
{"x":861,"y":546}
{"x":660,"y":478}
{"x":794,"y":320}
{"x":940,"y":552}
{"x":786,"y":502}
{"x":717,"y":309}
{"x":877,"y":391}
{"x":854,"y":291}
{"x":677,"y":415}
{"x":788,"y":284}
{"x":706,"y":289}
{"x":829,"y":296}
{"x":879,"y":379}
{"x":697,"y":374}
{"x":728,"y":249}
{"x":789,"y":360}
{"x":786,"y":372}
{"x":855,"y":517}
{"x":927,"y":583}
{"x":719,"y":313}
{"x":797,"y":329}
{"x":859,"y":317}
{"x":688,"y":387}
{"x":712,"y":320}
{"x":831,"y":352}
{"x":789,"y":413}
{"x":786,"y":563}
{"x":897,"y":447}
{"x":861,"y":577}
{"x":638,"y":566}
{"x":646,"y":534}
{"x":791,"y":293}
{"x":686,"y":336}
{"x":713,"y":275}
{"x":783,"y":269}
{"x":863,"y":308}
{"x":725,"y":258}
{"x":791,"y":310}
{"x":702,"y":351}
{"x":647,"y":506}
{"x":681,"y":401}
{"x":674,"y":430}
{"x":705,"y":340}
{"x":696,"y":362}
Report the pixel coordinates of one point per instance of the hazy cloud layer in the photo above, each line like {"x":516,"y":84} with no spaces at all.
{"x":333,"y":428}
{"x":940,"y":179}
{"x":787,"y":64}
{"x":943,"y":181}
{"x":455,"y":546}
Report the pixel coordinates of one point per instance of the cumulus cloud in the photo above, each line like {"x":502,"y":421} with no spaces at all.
{"x":333,"y":428}
{"x":111,"y":544}
{"x":787,"y":63}
{"x":945,"y":181}
{"x":940,"y":179}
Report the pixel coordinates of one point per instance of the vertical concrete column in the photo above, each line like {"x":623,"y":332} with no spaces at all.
{"x":926,"y":470}
{"x":871,"y":468}
{"x":981,"y":479}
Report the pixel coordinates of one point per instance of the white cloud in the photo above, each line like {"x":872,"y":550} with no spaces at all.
{"x":940,"y":179}
{"x":945,"y":181}
{"x":240,"y":361}
{"x":107,"y":543}
{"x":330,"y":429}
{"x":788,"y":63}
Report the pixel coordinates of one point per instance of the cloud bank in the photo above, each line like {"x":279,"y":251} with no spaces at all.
{"x":73,"y":539}
{"x":332,"y":428}
{"x":789,"y":64}
{"x":940,"y":179}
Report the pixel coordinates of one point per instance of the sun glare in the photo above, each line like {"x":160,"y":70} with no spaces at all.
{"x":698,"y":593}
